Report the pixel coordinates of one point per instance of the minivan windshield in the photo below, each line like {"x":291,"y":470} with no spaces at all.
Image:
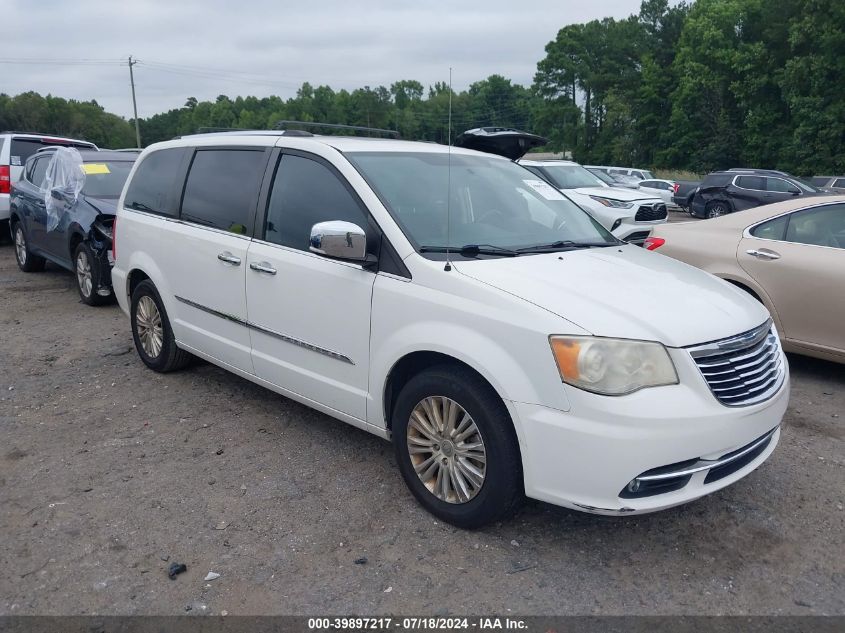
{"x":496,"y":207}
{"x":571,"y":176}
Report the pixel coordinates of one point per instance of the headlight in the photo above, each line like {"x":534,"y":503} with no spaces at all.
{"x":616,"y":204}
{"x":612,"y":367}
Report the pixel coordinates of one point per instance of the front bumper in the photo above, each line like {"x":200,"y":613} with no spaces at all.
{"x":585,"y":458}
{"x":633,"y":231}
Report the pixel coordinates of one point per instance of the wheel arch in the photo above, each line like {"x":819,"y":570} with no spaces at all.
{"x":412,"y":364}
{"x":75,"y":237}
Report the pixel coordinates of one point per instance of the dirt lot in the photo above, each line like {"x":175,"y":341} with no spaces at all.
{"x":110,"y":472}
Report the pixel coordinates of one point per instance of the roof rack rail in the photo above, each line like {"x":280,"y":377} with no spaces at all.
{"x":211,"y":130}
{"x":284,"y":125}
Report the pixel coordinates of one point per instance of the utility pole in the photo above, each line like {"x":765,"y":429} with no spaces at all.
{"x":134,"y":103}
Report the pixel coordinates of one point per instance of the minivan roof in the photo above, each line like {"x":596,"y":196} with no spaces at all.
{"x":340,"y":143}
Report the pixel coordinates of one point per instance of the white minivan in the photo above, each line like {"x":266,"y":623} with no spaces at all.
{"x":454,"y":302}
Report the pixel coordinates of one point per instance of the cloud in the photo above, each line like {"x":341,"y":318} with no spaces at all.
{"x":204,"y":48}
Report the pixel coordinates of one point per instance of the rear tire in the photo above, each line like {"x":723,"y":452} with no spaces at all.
{"x":716,"y":209}
{"x":88,"y":277}
{"x":467,"y":472}
{"x":27,"y":262}
{"x":152,"y":333}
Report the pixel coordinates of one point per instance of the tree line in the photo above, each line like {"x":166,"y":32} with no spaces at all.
{"x":698,"y":86}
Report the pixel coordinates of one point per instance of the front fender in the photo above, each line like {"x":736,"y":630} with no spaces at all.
{"x":502,"y":343}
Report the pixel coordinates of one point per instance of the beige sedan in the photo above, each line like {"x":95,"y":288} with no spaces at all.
{"x":789,"y":255}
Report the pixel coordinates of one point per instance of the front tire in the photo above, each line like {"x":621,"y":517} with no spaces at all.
{"x":456,"y":447}
{"x":27,"y":262}
{"x":88,"y":276}
{"x":151,"y":331}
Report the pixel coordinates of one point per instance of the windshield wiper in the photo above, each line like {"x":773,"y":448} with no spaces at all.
{"x":471,"y":250}
{"x":563,"y":245}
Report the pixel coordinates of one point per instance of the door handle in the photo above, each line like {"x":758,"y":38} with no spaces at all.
{"x":763,"y":254}
{"x":262,"y":267}
{"x":227,"y":258}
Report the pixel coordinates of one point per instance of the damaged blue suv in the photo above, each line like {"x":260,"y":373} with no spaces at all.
{"x":62,"y":209}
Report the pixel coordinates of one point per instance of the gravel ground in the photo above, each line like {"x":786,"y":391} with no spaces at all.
{"x":109,"y":473}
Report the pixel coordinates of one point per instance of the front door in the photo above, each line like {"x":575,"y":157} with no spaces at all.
{"x":799,"y":260}
{"x":207,"y":252}
{"x":310,"y":315}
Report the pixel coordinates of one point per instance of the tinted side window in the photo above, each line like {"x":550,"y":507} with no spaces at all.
{"x":839,"y":182}
{"x":771,"y":230}
{"x":751,"y":182}
{"x":779,"y":184}
{"x":222,"y":188}
{"x":650,"y":184}
{"x":306,"y":192}
{"x":39,"y":170}
{"x":152,"y":187}
{"x":23,"y":148}
{"x":822,"y":226}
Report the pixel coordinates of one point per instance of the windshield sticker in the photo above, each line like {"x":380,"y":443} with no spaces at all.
{"x":16,"y":160}
{"x":95,"y":168}
{"x":545,"y":189}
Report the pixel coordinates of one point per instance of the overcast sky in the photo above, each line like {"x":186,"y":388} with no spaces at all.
{"x":204,"y":48}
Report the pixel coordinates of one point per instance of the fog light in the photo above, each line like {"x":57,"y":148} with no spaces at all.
{"x":633,"y":485}
{"x":616,"y":224}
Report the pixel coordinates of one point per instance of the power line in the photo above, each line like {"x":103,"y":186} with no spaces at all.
{"x":43,"y":61}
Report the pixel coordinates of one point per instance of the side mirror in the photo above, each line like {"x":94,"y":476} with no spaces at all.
{"x":338,"y":239}
{"x":795,"y":192}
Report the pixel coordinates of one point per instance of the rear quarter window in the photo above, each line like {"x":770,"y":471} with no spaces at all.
{"x":771,"y":230}
{"x":757,"y":183}
{"x":153,"y":186}
{"x":839,"y":182}
{"x":717,"y":180}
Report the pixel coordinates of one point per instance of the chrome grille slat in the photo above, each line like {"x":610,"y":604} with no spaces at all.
{"x":756,"y":349}
{"x":743,"y":369}
{"x":759,"y":370}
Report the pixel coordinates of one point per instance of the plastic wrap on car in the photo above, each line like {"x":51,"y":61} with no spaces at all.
{"x":62,"y":183}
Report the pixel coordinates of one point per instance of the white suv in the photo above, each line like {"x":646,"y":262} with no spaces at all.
{"x":538,"y":356}
{"x":15,"y":148}
{"x":628,"y":214}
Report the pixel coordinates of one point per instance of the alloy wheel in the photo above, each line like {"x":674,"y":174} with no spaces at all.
{"x":716,"y":211}
{"x":83,"y":273}
{"x":446,"y":449}
{"x":149,"y":326}
{"x":20,"y":246}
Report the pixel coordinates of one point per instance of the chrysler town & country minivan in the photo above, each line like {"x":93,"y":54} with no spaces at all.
{"x":454,"y":302}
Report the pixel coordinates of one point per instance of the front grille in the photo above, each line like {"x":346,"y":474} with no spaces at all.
{"x":744,"y":369}
{"x":651,"y":212}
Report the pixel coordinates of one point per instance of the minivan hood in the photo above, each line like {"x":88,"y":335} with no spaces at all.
{"x":613,"y":193}
{"x":625,"y":292}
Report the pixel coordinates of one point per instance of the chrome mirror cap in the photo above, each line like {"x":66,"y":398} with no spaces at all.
{"x":342,"y":240}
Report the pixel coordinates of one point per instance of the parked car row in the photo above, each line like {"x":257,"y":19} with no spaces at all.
{"x":71,"y":228}
{"x":15,"y":149}
{"x":790,"y":256}
{"x":478,"y":310}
